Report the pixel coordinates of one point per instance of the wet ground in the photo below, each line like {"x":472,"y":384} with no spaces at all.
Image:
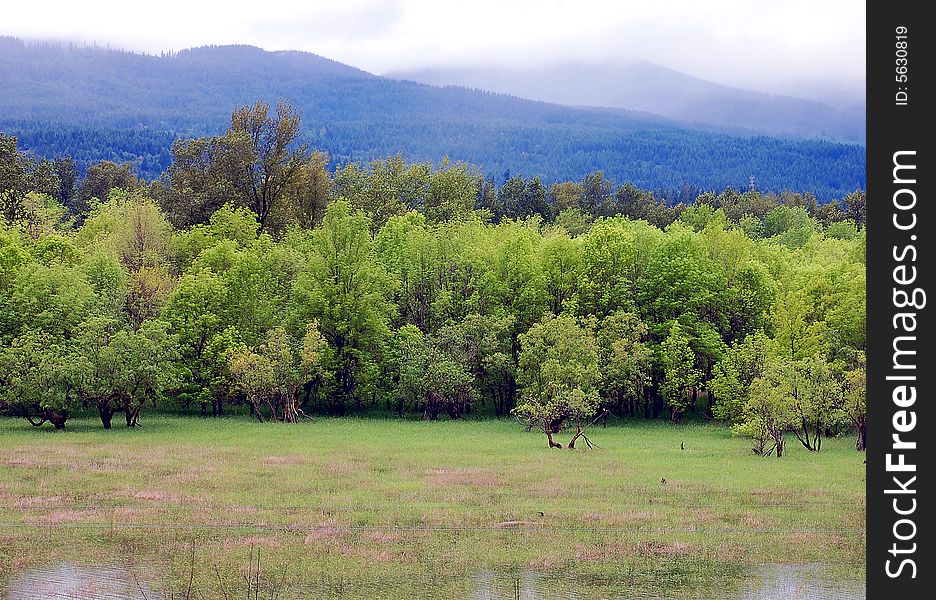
{"x":73,"y":582}
{"x":768,"y":582}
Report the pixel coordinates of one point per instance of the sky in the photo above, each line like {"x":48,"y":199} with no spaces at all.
{"x":754,"y":44}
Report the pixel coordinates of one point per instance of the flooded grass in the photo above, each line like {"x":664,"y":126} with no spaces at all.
{"x":339,"y":508}
{"x":766,"y":582}
{"x":66,"y":581}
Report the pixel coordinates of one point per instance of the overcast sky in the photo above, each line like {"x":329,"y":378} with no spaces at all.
{"x":748,"y":43}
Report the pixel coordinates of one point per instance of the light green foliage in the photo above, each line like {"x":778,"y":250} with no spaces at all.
{"x":561,"y":264}
{"x":272,"y":374}
{"x":733,"y":375}
{"x":798,"y":396}
{"x":121,"y":370}
{"x":681,"y":378}
{"x":452,"y":192}
{"x":558,"y":372}
{"x":815,"y":397}
{"x":792,"y":227}
{"x":55,"y":248}
{"x":270,"y":298}
{"x":625,"y":360}
{"x":37,"y":379}
{"x":408,"y":250}
{"x":854,"y":401}
{"x":130,"y":227}
{"x":430,"y":377}
{"x":842,"y":230}
{"x":767,"y":413}
{"x":345,"y":290}
{"x":196,"y":313}
{"x":573,"y":221}
{"x":680,"y":279}
{"x":609,"y":259}
{"x":796,"y":333}
{"x":110,"y":281}
{"x":13,"y":255}
{"x":699,"y":215}
{"x":52,"y":299}
{"x":40,"y":214}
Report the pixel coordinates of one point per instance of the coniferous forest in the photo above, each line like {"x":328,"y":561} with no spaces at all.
{"x":94,"y":104}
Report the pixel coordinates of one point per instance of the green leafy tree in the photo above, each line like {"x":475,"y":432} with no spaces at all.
{"x":767,"y":412}
{"x":854,"y":402}
{"x":196,"y":313}
{"x":345,"y":291}
{"x":272,"y":374}
{"x":815,"y":393}
{"x":625,"y":361}
{"x":37,"y":380}
{"x":100,"y":179}
{"x":681,"y":378}
{"x":482,"y":346}
{"x":561,"y":264}
{"x":257,"y":163}
{"x":430,"y":376}
{"x":733,"y":375}
{"x":558,"y":375}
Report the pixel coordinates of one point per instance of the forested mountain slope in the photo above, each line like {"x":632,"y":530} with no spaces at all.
{"x":640,"y":85}
{"x":96,"y":103}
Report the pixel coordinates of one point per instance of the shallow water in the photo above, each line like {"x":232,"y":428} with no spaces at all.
{"x":75,"y":582}
{"x":767,"y":582}
{"x":798,"y":582}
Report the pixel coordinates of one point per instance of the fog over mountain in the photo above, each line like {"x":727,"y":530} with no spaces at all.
{"x":98,"y":103}
{"x":644,"y":86}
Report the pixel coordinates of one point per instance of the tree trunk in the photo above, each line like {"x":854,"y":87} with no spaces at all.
{"x":578,"y":432}
{"x":432,"y":405}
{"x":107,"y":414}
{"x":132,"y":416}
{"x":549,"y":438}
{"x":58,"y":419}
{"x":862,"y":443}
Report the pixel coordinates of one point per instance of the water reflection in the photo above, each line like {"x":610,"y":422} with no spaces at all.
{"x":798,"y":582}
{"x":767,"y":582}
{"x":75,"y":582}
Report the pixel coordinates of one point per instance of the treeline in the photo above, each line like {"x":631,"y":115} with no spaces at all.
{"x":251,"y":275}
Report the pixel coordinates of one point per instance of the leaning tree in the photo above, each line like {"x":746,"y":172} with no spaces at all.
{"x":558,"y":374}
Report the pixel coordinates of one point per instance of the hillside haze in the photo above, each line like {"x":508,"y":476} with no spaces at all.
{"x":97,"y":103}
{"x":643,"y":86}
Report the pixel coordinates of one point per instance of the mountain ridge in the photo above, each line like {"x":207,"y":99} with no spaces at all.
{"x":644,"y":86}
{"x":100,"y":103}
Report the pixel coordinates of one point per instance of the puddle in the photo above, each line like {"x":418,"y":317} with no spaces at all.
{"x":75,"y":582}
{"x":798,"y":582}
{"x":527,"y":585}
{"x":766,"y":582}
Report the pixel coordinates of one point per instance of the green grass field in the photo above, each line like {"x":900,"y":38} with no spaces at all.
{"x":347,"y":507}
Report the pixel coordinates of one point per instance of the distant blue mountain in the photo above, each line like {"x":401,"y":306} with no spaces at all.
{"x":99,"y":103}
{"x":643,"y":86}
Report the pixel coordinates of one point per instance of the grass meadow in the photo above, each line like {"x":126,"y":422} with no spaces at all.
{"x":214,"y":508}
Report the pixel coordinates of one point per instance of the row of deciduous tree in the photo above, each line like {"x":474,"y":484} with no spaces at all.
{"x":250,"y":275}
